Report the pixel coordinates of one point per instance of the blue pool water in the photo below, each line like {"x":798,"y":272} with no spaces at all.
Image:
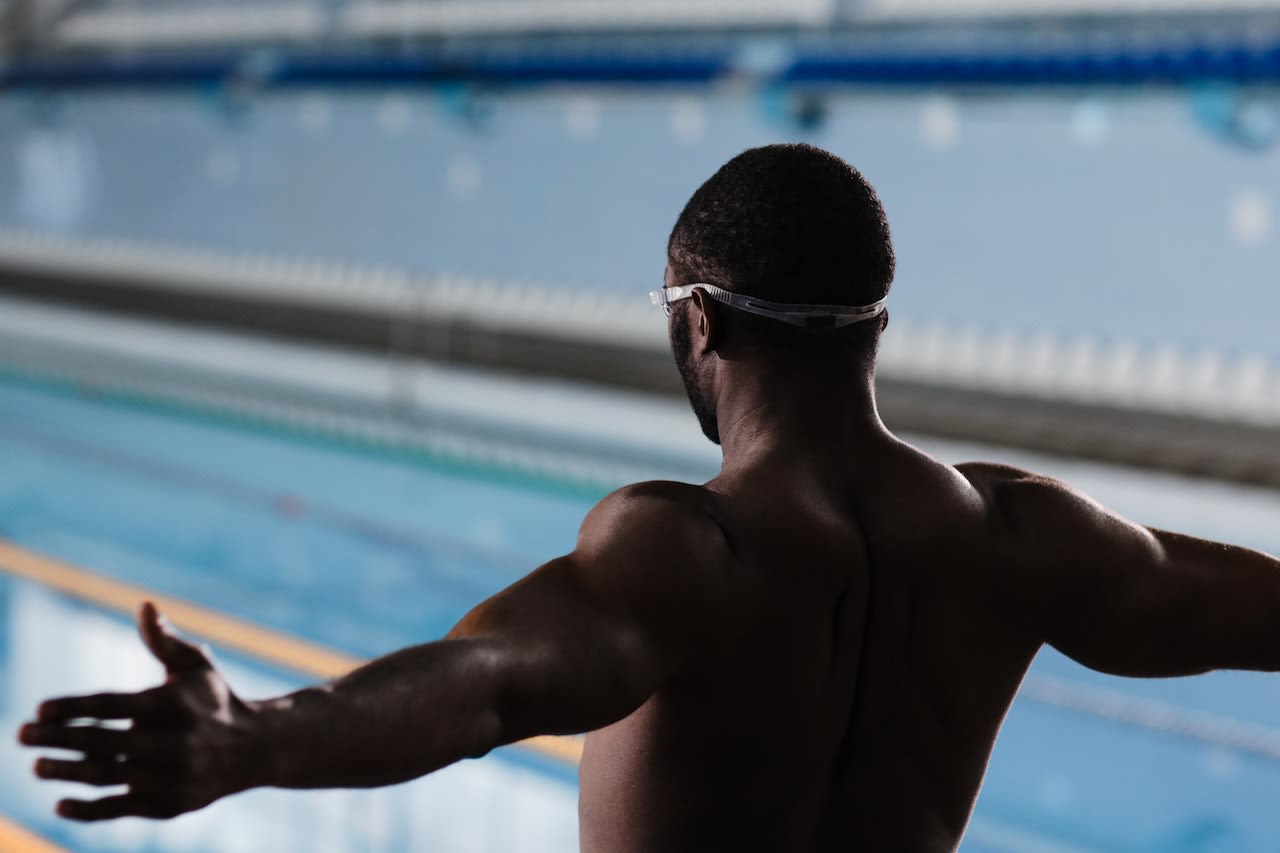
{"x":365,"y":553}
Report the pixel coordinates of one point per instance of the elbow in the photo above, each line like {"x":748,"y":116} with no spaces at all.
{"x":488,"y":734}
{"x":1139,"y":657}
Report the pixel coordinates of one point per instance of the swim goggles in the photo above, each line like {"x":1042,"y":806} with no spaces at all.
{"x":827,"y":316}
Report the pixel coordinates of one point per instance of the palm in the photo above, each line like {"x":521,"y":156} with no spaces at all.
{"x":189,"y":742}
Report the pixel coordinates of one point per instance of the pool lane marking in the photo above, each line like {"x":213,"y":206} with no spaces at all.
{"x":219,"y":629}
{"x":15,"y":839}
{"x":260,"y":643}
{"x":233,"y":491}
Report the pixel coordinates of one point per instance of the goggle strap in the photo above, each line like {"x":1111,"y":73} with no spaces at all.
{"x":792,"y":313}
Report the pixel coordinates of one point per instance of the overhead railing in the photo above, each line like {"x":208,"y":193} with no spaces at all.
{"x":522,"y":42}
{"x":933,"y":10}
{"x":513,"y":42}
{"x":133,"y":26}
{"x":115,"y":26}
{"x":457,"y":17}
{"x":1200,"y":413}
{"x":1066,"y":59}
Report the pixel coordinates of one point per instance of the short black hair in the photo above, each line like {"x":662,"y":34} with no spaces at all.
{"x":786,"y":223}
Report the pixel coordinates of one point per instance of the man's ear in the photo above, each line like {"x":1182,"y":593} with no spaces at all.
{"x":707,"y":320}
{"x":884,"y":319}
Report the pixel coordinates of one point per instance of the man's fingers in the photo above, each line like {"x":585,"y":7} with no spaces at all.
{"x":175,"y":653}
{"x":89,"y":772}
{"x":122,"y":805}
{"x":95,"y":740}
{"x":104,"y":706}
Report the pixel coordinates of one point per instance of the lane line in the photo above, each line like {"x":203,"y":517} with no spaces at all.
{"x":1154,"y":715}
{"x":1014,"y":839}
{"x":15,"y":839}
{"x":223,"y":630}
{"x":260,"y":643}
{"x":246,"y":494}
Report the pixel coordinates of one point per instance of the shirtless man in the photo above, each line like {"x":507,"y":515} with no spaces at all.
{"x":814,"y":651}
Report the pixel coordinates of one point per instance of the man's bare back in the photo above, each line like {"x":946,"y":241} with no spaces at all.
{"x":895,"y":605}
{"x":812,"y":652}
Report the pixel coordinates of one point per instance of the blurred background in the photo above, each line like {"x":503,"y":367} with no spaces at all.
{"x":320,"y":320}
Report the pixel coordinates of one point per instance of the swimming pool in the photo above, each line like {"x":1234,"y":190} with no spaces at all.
{"x":364,"y":551}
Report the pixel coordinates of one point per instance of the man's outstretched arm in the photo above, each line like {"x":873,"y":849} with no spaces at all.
{"x":578,"y":644}
{"x":1127,"y":599}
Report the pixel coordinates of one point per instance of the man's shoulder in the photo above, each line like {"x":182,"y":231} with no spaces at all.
{"x":1021,"y":502}
{"x":660,"y":490}
{"x":988,"y":474}
{"x":664,"y":515}
{"x":654,"y":548}
{"x":656,"y":501}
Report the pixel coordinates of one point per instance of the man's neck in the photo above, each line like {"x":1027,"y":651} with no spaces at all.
{"x":784,"y":418}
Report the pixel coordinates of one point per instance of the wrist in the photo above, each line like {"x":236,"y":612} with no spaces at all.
{"x":264,"y":765}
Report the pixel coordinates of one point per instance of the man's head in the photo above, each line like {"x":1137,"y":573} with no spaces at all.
{"x":784,"y":223}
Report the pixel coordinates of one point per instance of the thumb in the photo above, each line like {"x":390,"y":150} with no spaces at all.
{"x":177,"y":655}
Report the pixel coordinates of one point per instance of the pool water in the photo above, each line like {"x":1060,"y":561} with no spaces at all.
{"x":366,"y":552}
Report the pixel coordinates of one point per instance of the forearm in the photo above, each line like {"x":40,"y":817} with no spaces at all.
{"x":394,"y":719}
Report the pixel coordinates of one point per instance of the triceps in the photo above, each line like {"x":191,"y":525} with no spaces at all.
{"x":1176,"y":606}
{"x":1229,"y":600}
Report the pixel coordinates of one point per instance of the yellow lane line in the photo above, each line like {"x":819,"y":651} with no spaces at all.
{"x":567,"y":749}
{"x":222,"y":630}
{"x":15,"y":839}
{"x":260,"y":643}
